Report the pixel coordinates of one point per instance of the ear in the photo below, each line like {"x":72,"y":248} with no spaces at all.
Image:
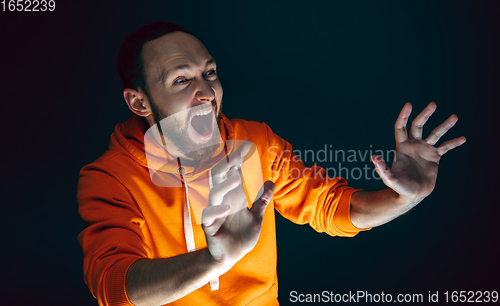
{"x":137,"y":102}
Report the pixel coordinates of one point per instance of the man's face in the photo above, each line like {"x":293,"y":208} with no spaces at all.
{"x":184,"y":92}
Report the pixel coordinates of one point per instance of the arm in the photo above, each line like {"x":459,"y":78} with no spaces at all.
{"x":307,"y":195}
{"x":413,"y":173}
{"x":374,"y":208}
{"x":164,"y":280}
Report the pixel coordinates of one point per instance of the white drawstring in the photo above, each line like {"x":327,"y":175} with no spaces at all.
{"x":188,"y":227}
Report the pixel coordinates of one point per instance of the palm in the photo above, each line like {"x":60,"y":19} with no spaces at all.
{"x":414,"y":170}
{"x":238,"y":233}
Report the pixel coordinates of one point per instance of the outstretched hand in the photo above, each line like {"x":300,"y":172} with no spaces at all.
{"x":231,"y":228}
{"x":414,"y":169}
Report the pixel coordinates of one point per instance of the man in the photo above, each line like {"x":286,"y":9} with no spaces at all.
{"x":141,"y":245}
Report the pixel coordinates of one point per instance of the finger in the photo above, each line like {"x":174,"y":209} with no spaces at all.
{"x":233,"y":160}
{"x":213,"y":217}
{"x":400,"y":126}
{"x":259,"y":206}
{"x":418,"y":123}
{"x":450,"y":144}
{"x":383,"y":170}
{"x":220,"y":190}
{"x":438,"y":132}
{"x":236,"y":198}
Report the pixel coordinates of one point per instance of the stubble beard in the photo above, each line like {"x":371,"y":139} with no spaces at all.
{"x":177,"y":132}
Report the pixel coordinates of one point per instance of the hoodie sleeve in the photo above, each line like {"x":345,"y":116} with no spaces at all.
{"x":112,"y":238}
{"x":307,"y":195}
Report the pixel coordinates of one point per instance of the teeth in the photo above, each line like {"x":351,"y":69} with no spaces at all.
{"x":204,"y":113}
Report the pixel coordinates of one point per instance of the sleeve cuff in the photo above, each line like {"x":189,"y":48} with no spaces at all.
{"x":342,"y":217}
{"x":115,"y":293}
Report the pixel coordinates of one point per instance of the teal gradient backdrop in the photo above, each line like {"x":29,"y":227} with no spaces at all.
{"x":320,"y":72}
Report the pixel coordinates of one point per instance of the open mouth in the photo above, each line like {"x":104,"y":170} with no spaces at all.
{"x":202,"y":123}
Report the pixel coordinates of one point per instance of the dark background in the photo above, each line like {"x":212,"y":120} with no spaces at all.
{"x":320,"y":72}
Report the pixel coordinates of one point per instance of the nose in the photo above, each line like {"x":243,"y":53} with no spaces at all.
{"x":205,"y":92}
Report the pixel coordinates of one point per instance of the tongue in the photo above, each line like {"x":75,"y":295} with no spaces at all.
{"x":201,"y":124}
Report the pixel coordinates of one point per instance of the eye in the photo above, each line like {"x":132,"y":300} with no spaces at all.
{"x":211,"y":74}
{"x":181,"y":80}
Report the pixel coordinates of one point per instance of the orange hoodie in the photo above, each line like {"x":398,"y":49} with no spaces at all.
{"x":129,"y":215}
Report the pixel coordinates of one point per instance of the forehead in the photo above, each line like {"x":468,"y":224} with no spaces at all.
{"x":171,"y":50}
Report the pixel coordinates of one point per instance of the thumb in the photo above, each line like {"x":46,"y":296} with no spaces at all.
{"x":382,"y":169}
{"x":259,"y":206}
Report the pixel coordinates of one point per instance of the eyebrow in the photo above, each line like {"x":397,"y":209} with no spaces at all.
{"x":165,"y":73}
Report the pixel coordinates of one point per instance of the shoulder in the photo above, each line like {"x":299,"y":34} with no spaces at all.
{"x":110,"y":172}
{"x":252,"y":130}
{"x":239,"y":124}
{"x":109,"y":162}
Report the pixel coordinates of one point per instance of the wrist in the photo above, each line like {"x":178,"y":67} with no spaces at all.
{"x":218,"y":265}
{"x":398,"y":204}
{"x":407,"y":202}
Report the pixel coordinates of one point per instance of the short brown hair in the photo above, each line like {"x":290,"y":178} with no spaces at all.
{"x":130,"y":64}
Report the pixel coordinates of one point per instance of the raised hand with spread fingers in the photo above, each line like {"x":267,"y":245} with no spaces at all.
{"x":413,"y":174}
